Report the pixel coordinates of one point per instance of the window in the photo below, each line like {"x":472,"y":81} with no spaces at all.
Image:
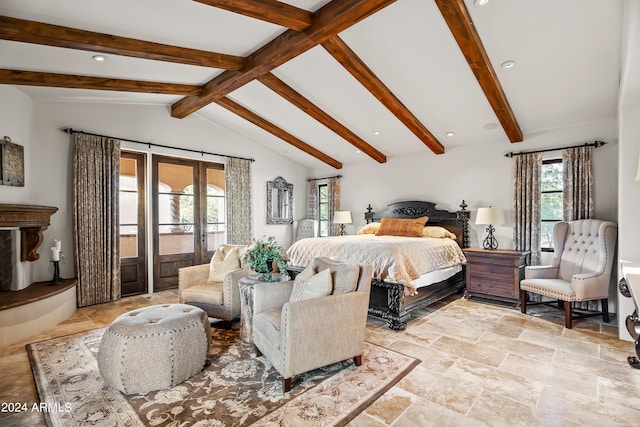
{"x":550,"y":201}
{"x":323,"y":210}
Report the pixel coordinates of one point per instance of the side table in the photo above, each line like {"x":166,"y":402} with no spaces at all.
{"x":495,"y":273}
{"x":246,"y":284}
{"x":630,"y":287}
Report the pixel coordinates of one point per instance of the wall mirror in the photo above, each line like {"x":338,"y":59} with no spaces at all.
{"x":279,"y":201}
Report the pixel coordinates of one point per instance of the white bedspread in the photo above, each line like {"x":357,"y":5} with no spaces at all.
{"x":395,"y":259}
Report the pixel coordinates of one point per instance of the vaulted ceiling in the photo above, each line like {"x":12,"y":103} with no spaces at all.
{"x":328,"y":82}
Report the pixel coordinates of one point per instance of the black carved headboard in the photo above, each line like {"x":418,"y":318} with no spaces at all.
{"x":456,"y":222}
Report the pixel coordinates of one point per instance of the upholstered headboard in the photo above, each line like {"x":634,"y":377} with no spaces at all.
{"x":456,"y":222}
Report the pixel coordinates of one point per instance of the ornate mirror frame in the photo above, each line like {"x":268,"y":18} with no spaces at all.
{"x":282,"y":213}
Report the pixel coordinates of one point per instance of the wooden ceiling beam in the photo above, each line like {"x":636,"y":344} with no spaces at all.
{"x":329,"y":20}
{"x":457,"y":17}
{"x":261,"y":122}
{"x":295,"y":98}
{"x":273,"y":11}
{"x":21,"y":30}
{"x":358,"y":69}
{"x":34,"y":78}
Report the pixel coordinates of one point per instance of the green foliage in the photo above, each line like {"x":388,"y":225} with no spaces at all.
{"x":262,"y":254}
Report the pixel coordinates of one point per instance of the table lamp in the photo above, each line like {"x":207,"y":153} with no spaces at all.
{"x":342,"y":218}
{"x":490,"y":216}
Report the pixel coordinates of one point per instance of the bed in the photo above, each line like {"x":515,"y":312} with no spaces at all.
{"x":401,"y":282}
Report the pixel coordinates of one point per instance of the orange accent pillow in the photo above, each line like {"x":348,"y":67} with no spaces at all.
{"x":402,"y":227}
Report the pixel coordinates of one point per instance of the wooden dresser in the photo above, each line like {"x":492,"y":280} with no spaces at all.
{"x":495,"y":274}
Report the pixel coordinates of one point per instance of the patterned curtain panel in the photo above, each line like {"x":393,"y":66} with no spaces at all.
{"x":312,"y":200}
{"x":333,"y":187}
{"x":96,"y":170}
{"x":526,"y":204}
{"x":239,"y":213}
{"x":578,"y":183}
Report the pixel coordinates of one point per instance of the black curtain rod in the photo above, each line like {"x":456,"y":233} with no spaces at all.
{"x":326,"y":177}
{"x":151,"y":144}
{"x":594,"y":144}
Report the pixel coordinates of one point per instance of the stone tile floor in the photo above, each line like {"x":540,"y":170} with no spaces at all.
{"x":483,"y":363}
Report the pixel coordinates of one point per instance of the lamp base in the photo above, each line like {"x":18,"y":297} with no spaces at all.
{"x":490,"y":242}
{"x":342,"y":232}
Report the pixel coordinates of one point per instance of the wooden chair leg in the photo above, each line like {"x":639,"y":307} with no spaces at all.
{"x":605,"y":309}
{"x":523,"y":301}
{"x":567,"y":315}
{"x":286,"y":384}
{"x":357,"y":360}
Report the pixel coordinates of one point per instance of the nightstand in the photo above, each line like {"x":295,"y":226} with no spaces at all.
{"x":495,"y":274}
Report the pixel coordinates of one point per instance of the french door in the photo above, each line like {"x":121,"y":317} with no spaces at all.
{"x":133,"y":242}
{"x":188,"y":216}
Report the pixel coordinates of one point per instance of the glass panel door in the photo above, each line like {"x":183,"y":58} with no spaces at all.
{"x":133,"y":260}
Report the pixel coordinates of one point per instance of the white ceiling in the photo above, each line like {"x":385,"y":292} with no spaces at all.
{"x":568,"y":55}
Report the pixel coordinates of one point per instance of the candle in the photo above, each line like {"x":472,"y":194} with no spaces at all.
{"x":55,"y":254}
{"x":58,"y":244}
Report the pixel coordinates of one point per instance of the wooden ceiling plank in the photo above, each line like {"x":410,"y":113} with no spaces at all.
{"x":297,"y":99}
{"x":21,"y":30}
{"x":329,"y":20}
{"x":259,"y":121}
{"x":457,"y":17}
{"x":273,"y":11}
{"x":34,"y":78}
{"x":358,"y":69}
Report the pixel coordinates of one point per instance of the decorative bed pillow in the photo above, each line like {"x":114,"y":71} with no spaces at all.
{"x":224,"y":260}
{"x":370,"y":228}
{"x":437,"y":232}
{"x":318,"y":285}
{"x":344,"y":275}
{"x":402,"y":227}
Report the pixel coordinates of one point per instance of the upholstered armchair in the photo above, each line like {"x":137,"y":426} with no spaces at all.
{"x":305,"y":228}
{"x":301,"y":326}
{"x":580,"y":269}
{"x":213,"y":287}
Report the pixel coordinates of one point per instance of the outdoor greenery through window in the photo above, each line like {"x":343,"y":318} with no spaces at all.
{"x":323,"y":209}
{"x":550,"y":201}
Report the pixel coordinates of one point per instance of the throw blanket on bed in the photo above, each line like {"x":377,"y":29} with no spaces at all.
{"x":395,"y":259}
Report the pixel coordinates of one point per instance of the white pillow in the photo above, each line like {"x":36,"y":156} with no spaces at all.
{"x":318,"y":285}
{"x":223,"y":263}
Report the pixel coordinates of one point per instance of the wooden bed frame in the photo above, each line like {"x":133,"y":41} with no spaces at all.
{"x":388,"y":300}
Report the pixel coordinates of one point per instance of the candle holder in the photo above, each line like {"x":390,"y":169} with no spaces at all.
{"x":56,"y":273}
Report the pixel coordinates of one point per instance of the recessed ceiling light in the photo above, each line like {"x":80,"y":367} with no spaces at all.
{"x":508,"y":64}
{"x":358,"y":151}
{"x":376,"y":132}
{"x":99,"y":57}
{"x":480,"y":2}
{"x":450,"y":134}
{"x":489,"y":126}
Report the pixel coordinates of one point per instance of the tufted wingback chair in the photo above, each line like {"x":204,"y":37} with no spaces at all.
{"x":305,"y":228}
{"x":580,"y":269}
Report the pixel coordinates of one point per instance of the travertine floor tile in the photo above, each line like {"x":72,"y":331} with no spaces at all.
{"x":432,"y":359}
{"x":426,"y":414}
{"x":533,"y":351}
{"x":619,"y":371}
{"x":391,"y":405}
{"x":560,"y":343}
{"x":478,"y":353}
{"x":365,"y":420}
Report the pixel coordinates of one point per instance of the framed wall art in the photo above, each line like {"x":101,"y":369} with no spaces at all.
{"x":11,"y":163}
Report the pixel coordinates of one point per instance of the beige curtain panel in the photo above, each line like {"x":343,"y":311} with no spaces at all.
{"x":577,"y":175}
{"x":96,"y":170}
{"x":526,"y":208}
{"x":333,"y":188}
{"x":238,"y":197}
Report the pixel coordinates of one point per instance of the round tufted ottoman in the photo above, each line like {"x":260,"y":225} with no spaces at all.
{"x":154,"y":347}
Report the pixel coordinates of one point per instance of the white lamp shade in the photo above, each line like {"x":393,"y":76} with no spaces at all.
{"x":494,"y":216}
{"x":342,"y":217}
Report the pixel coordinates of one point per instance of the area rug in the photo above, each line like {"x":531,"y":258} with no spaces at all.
{"x":236,"y":388}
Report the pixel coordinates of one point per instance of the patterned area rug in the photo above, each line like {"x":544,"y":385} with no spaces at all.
{"x":236,"y":388}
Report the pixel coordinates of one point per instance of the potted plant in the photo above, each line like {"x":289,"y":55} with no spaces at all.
{"x":261,"y":256}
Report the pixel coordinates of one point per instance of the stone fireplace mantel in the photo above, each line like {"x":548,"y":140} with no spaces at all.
{"x":32,"y":220}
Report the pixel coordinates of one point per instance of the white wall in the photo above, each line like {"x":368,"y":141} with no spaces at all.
{"x":15,"y":122}
{"x":51,"y":165}
{"x":478,"y":173}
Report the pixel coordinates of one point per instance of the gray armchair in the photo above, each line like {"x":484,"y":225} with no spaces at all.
{"x":305,"y":228}
{"x":299,"y":336}
{"x":580,"y":269}
{"x":220,"y":299}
